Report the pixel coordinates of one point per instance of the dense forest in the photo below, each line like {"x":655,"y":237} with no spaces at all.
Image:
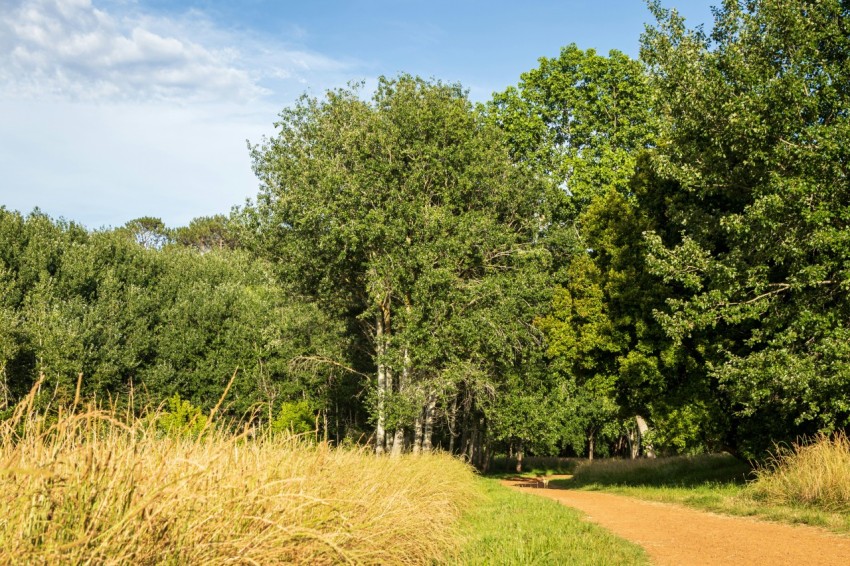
{"x":613,"y":257}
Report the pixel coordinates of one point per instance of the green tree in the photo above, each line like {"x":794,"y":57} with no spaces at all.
{"x":580,"y":119}
{"x":752,"y":162}
{"x":207,"y":233}
{"x":405,"y":214}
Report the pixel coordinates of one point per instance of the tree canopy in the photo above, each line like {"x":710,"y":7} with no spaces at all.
{"x":610,"y":245}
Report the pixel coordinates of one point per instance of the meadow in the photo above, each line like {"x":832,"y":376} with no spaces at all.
{"x":95,"y":487}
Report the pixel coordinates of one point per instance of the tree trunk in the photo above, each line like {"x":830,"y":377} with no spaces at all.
{"x":403,"y":384}
{"x":428,"y":432}
{"x":397,"y":442}
{"x":453,"y":426}
{"x":634,"y":443}
{"x":519,"y":458}
{"x":417,"y":433}
{"x":643,"y":428}
{"x":380,"y":431}
{"x":591,"y":444}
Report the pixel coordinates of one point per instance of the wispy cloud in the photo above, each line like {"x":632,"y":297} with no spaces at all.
{"x":111,"y":112}
{"x":73,"y":49}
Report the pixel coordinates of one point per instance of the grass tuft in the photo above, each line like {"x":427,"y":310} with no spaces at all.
{"x":815,"y":474}
{"x":95,"y":488}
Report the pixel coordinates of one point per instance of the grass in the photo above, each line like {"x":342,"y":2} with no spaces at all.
{"x":96,"y":488}
{"x":534,"y":466}
{"x":506,"y":527}
{"x":720,"y":483}
{"x":815,"y":474}
{"x":683,"y":471}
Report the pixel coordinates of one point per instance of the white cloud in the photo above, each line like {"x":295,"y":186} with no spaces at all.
{"x":110,"y":113}
{"x":73,"y":50}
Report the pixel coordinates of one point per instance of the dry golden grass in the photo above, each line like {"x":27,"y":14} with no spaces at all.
{"x":815,"y":474}
{"x":93,"y":488}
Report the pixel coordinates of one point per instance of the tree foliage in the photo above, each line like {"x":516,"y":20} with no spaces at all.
{"x":406,"y":214}
{"x":607,"y":243}
{"x":755,"y":120}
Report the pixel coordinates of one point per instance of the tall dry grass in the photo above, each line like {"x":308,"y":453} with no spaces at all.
{"x":91,"y":487}
{"x":815,"y":474}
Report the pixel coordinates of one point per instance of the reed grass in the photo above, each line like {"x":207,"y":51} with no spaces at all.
{"x":93,"y":487}
{"x":814,"y":474}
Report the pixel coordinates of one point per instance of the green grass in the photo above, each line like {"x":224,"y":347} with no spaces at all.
{"x":534,"y":465}
{"x":507,"y":527}
{"x":716,"y":483}
{"x":815,"y":474}
{"x":683,"y":471}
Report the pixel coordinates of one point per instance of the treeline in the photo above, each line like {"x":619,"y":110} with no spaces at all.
{"x":612,"y":257}
{"x":143,"y":318}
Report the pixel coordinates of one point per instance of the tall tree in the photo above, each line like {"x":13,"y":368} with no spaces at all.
{"x":406,"y":214}
{"x":755,"y":121}
{"x":581,"y":119}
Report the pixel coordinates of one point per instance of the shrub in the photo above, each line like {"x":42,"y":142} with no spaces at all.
{"x":181,"y":420}
{"x":295,"y":417}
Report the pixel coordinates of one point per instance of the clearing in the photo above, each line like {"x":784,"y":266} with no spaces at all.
{"x":678,"y":535}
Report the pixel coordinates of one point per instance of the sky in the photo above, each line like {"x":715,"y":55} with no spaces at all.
{"x":112,"y":110}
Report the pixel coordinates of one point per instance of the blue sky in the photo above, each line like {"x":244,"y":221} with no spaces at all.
{"x":115,"y":109}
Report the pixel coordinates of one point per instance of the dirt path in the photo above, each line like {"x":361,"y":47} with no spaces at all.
{"x":680,"y":536}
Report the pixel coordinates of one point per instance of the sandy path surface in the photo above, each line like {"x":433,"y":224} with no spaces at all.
{"x":680,"y":536}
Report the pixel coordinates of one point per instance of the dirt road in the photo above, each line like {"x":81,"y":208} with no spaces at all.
{"x":680,"y":536}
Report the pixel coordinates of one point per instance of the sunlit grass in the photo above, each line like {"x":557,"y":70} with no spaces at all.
{"x":815,"y":474}
{"x":513,"y":528}
{"x":95,"y":488}
{"x":719,"y":483}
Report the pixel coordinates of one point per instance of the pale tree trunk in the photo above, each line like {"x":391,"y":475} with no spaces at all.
{"x":634,"y":443}
{"x":404,"y":380}
{"x":397,"y":442}
{"x":591,"y":444}
{"x":519,"y":458}
{"x":452,"y":421}
{"x":428,"y":431}
{"x":380,"y":431}
{"x":388,"y":390}
{"x":643,"y":428}
{"x":417,"y":433}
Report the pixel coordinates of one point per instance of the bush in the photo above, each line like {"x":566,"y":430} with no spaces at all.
{"x":296,"y":418}
{"x":181,"y":420}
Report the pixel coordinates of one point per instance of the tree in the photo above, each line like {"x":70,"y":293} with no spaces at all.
{"x":580,"y":119}
{"x":753,"y":162}
{"x":207,"y":233}
{"x":405,"y":214}
{"x":149,"y":232}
